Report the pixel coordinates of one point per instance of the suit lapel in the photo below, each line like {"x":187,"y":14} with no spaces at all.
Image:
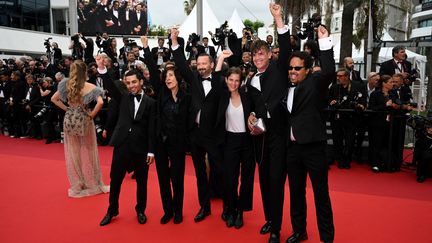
{"x":141,"y":108}
{"x":131,"y":104}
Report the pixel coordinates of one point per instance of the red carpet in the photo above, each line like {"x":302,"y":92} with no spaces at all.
{"x":34,"y":207}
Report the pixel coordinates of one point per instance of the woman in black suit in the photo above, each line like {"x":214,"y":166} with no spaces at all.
{"x":171,"y":137}
{"x":234,"y":109}
{"x":380,"y":123}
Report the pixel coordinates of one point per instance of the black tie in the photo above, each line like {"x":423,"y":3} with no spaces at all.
{"x":137,"y":96}
{"x":292,"y":85}
{"x":205,"y":79}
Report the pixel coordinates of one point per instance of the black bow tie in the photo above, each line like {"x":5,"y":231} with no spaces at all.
{"x":206,"y":79}
{"x":292,"y":85}
{"x":137,"y":96}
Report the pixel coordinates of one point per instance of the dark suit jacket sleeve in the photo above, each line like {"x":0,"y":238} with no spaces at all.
{"x":285,"y":52}
{"x":181,"y":63}
{"x":386,"y":68}
{"x":152,"y":127}
{"x":328,"y":67}
{"x":153,"y":69}
{"x":108,"y":83}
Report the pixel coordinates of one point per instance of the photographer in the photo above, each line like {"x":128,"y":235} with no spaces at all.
{"x":160,"y":53}
{"x":309,"y":28}
{"x":402,"y":105}
{"x":17,"y":95}
{"x":347,"y":98}
{"x":102,"y":41}
{"x":77,"y":45}
{"x":31,"y":106}
{"x":247,"y":39}
{"x":193,"y":47}
{"x":57,"y":52}
{"x":88,"y":50}
{"x":48,"y":115}
{"x":227,"y":40}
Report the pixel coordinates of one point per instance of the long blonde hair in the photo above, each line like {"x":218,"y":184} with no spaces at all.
{"x":78,"y":77}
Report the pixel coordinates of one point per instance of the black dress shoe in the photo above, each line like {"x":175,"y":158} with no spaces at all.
{"x":230,"y":221}
{"x":224,"y":214}
{"x":142,"y":219}
{"x":266,"y":228}
{"x":274,"y":238}
{"x":297,"y":237}
{"x":107,"y":219}
{"x":239,"y":220}
{"x":165,"y":219}
{"x":421,"y":179}
{"x":202,"y":214}
{"x":178,"y":218}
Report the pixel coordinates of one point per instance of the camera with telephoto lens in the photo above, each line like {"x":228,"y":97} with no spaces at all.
{"x":223,"y":31}
{"x":420,"y":124}
{"x":41,"y":113}
{"x":47,"y":44}
{"x":129,"y":43}
{"x":309,"y":27}
{"x":194,"y":38}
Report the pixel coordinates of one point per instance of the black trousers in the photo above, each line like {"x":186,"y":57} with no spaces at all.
{"x":199,"y":148}
{"x":398,"y":139}
{"x":343,"y":131}
{"x":270,"y":155}
{"x":304,"y":159}
{"x":424,"y":159}
{"x":170,"y":167}
{"x":379,"y":145}
{"x":124,"y":161}
{"x":238,"y":152}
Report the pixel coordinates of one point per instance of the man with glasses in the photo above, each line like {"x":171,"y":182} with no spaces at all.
{"x":346,"y":97}
{"x":306,"y":142}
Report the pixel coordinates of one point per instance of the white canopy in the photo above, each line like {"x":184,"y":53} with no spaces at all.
{"x":235,"y":23}
{"x":210,"y":22}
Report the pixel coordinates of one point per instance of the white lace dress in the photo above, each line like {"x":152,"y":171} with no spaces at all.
{"x":81,"y":154}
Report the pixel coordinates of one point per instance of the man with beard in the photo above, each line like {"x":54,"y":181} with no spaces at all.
{"x":205,"y":89}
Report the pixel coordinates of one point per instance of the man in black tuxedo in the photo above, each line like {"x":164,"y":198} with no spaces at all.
{"x":139,"y":20}
{"x":160,"y":53}
{"x":398,"y":64}
{"x":354,"y":75}
{"x":205,"y":89}
{"x":346,"y":95}
{"x":209,"y":50}
{"x":132,"y":138}
{"x":306,"y":142}
{"x":115,"y":18}
{"x":267,"y":88}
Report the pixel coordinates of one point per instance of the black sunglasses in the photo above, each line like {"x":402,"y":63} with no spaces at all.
{"x":297,"y":68}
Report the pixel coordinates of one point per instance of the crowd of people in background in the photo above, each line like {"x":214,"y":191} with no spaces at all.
{"x":211,"y":104}
{"x":118,"y":17}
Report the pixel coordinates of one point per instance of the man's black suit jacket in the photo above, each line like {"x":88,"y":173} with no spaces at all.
{"x":212,"y":51}
{"x":142,"y":22}
{"x":166,"y":54}
{"x":139,"y":131}
{"x":306,"y":117}
{"x":388,"y":67}
{"x":274,"y":83}
{"x":208,"y":105}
